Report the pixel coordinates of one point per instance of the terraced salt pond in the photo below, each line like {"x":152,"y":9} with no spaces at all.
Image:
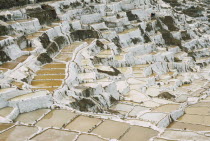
{"x":83,"y":124}
{"x":137,"y":133}
{"x":12,"y":64}
{"x":55,"y":65}
{"x":64,"y":57}
{"x":50,"y":89}
{"x":188,"y":126}
{"x":18,"y":133}
{"x":167,"y":108}
{"x":56,"y":118}
{"x":2,"y":91}
{"x":31,"y":117}
{"x":111,"y":129}
{"x":53,"y":134}
{"x":136,"y":96}
{"x":125,"y":70}
{"x":2,"y":38}
{"x":138,"y":110}
{"x":29,"y":95}
{"x":44,"y":83}
{"x":29,"y":49}
{"x":196,"y":119}
{"x":197,"y":110}
{"x":51,"y":71}
{"x":183,"y":135}
{"x":50,"y":76}
{"x":84,"y":137}
{"x":67,"y":52}
{"x":5,"y":111}
{"x":4,"y":126}
{"x":105,"y":54}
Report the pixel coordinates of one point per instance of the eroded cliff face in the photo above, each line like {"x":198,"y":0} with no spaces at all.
{"x":10,"y":3}
{"x":5,"y":4}
{"x":107,"y":57}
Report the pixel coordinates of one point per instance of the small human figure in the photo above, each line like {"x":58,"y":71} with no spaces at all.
{"x":152,"y":15}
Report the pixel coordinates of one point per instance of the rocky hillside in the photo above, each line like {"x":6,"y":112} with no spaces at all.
{"x":140,"y":64}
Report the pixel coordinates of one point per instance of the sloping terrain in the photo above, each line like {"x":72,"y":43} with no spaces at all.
{"x":104,"y":70}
